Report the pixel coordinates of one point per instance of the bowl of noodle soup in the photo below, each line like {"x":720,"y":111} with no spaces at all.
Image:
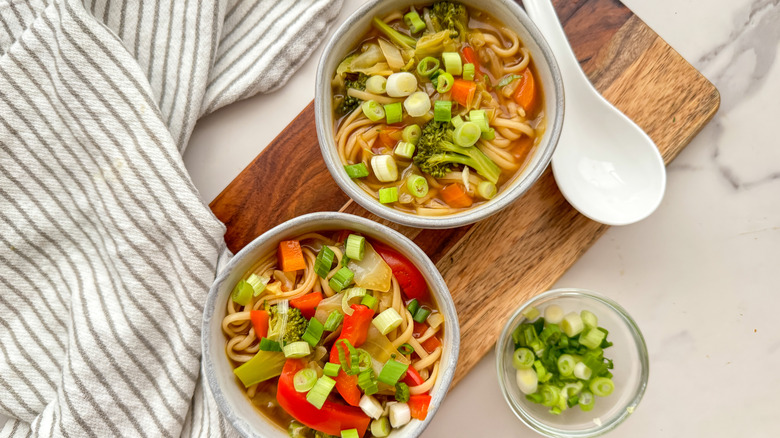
{"x":396,"y":109}
{"x":258,"y":400}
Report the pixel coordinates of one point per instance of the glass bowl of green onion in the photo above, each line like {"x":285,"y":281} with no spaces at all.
{"x":572,"y":363}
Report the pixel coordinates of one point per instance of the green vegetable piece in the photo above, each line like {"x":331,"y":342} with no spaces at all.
{"x":243,"y":293}
{"x":263,"y":366}
{"x":436,"y":153}
{"x":359,"y":170}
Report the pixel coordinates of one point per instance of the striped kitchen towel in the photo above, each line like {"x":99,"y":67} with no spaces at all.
{"x":107,"y":251}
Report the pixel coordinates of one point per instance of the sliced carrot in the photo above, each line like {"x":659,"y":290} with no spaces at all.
{"x":521,"y":148}
{"x":291,"y":256}
{"x":470,"y":56}
{"x":455,"y":196}
{"x":307,"y":304}
{"x":389,"y":136}
{"x":525,"y":93}
{"x":463,"y":91}
{"x":431,"y":344}
{"x":259,"y":320}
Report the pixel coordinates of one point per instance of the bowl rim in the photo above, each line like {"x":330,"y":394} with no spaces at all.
{"x":640,"y":344}
{"x":399,"y":242}
{"x":506,"y":197}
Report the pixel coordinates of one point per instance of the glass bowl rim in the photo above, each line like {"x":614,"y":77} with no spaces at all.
{"x":639,"y":342}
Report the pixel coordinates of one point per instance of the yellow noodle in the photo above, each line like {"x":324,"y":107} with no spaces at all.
{"x":495,"y":154}
{"x":428,"y":333}
{"x":417,"y":349}
{"x":428,"y":384}
{"x":521,"y":65}
{"x":406,"y":336}
{"x":428,"y":360}
{"x":515,"y":125}
{"x":427,"y":211}
{"x":366,"y":96}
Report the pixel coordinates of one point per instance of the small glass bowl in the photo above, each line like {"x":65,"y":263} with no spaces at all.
{"x":631,"y":371}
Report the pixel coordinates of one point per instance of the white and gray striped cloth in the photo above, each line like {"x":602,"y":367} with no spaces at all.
{"x":107,"y":251}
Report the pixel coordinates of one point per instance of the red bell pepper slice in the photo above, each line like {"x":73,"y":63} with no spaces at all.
{"x":413,"y":378}
{"x":259,"y":320}
{"x":419,"y":404}
{"x":471,"y":58}
{"x":431,"y":344}
{"x":410,"y":279}
{"x":331,"y":419}
{"x":307,"y":304}
{"x":354,"y":329}
{"x":347,"y":386}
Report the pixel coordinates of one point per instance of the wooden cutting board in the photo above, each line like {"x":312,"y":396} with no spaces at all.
{"x":533,"y":242}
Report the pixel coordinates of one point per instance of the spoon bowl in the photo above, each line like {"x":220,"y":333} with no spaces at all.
{"x":605,"y":165}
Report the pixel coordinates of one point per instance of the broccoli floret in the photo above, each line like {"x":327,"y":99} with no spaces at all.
{"x":350,"y":103}
{"x":296,"y":324}
{"x":436,"y":154}
{"x":451,"y":16}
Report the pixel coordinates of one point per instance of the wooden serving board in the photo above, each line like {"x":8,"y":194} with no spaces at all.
{"x":533,"y":242}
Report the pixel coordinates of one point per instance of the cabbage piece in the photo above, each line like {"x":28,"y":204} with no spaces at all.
{"x":372,"y":272}
{"x":380,"y":348}
{"x":326,"y":306}
{"x":435,"y":44}
{"x":371,"y":62}
{"x":392,"y":54}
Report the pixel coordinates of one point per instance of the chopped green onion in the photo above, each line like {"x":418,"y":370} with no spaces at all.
{"x":413,"y":20}
{"x":469,"y":71}
{"x":466,"y":134}
{"x":331,"y":369}
{"x":488,"y":190}
{"x":392,"y":372}
{"x":313,"y":332}
{"x":376,"y":84}
{"x":369,"y":301}
{"x":269,"y":345}
{"x":334,"y":321}
{"x":527,"y":380}
{"x":581,"y":371}
{"x":305,"y":379}
{"x":566,"y":364}
{"x":350,"y":433}
{"x":417,"y":104}
{"x":343,"y":346}
{"x":551,"y":334}
{"x":412,"y":134}
{"x":406,"y":349}
{"x":319,"y":393}
{"x":358,"y":170}
{"x":296,"y":350}
{"x":324,"y":261}
{"x":442,"y":111}
{"x":380,"y":428}
{"x":402,"y":392}
{"x":586,"y":400}
{"x":488,"y":135}
{"x":452,"y":63}
{"x":364,"y":360}
{"x":394,"y":112}
{"x":553,"y":314}
{"x":541,"y":371}
{"x":508,"y":79}
{"x":387,"y":321}
{"x":368,"y":382}
{"x":550,"y":394}
{"x":413,"y":306}
{"x":417,"y":185}
{"x":258,"y":283}
{"x":401,"y":84}
{"x":589,"y":319}
{"x":384,"y":167}
{"x":400,"y":414}
{"x":600,"y":386}
{"x":342,"y":279}
{"x":355,"y":247}
{"x":592,"y":338}
{"x":388,"y":195}
{"x":444,"y":82}
{"x":355,"y":292}
{"x":428,"y":66}
{"x":405,"y":149}
{"x":373,"y":110}
{"x":421,"y":315}
{"x":523,"y":359}
{"x":572,"y":324}
{"x":480,"y":118}
{"x":457,"y":121}
{"x":243,"y":293}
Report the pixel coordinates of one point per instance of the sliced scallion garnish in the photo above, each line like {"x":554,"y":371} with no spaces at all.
{"x":442,"y":111}
{"x":411,"y":134}
{"x":341,"y":279}
{"x":417,"y":185}
{"x":452,"y":63}
{"x":331,"y":369}
{"x":376,"y":84}
{"x":358,"y":170}
{"x":355,"y":247}
{"x":304,"y":379}
{"x":384,"y":167}
{"x":487,"y":190}
{"x":405,"y":149}
{"x":428,"y":66}
{"x":373,"y":110}
{"x":392,"y":372}
{"x":296,"y":350}
{"x":467,"y":134}
{"x":320,"y":391}
{"x":417,"y":104}
{"x":388,"y":195}
{"x":334,"y":321}
{"x":414,"y":22}
{"x":387,"y":321}
{"x":324,"y":261}
{"x":444,"y":82}
{"x":469,"y":71}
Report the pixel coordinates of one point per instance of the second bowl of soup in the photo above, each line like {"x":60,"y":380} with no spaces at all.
{"x":437,"y":115}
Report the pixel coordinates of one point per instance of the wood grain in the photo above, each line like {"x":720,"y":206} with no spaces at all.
{"x":533,"y":242}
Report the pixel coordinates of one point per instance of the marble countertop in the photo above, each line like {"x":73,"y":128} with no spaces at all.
{"x":700,"y":276}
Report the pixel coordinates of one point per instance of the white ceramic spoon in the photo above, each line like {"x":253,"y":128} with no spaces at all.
{"x":605,"y":165}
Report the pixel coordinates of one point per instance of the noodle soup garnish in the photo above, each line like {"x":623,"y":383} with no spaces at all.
{"x":437,"y":109}
{"x":332,"y":332}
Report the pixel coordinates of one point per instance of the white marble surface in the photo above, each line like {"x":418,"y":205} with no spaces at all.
{"x":701,"y":276}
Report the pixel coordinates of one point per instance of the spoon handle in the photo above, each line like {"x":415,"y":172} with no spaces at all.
{"x":544,"y":16}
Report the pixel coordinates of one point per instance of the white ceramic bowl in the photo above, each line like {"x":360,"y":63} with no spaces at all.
{"x":231,"y":399}
{"x":631,"y":371}
{"x":511,"y":15}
